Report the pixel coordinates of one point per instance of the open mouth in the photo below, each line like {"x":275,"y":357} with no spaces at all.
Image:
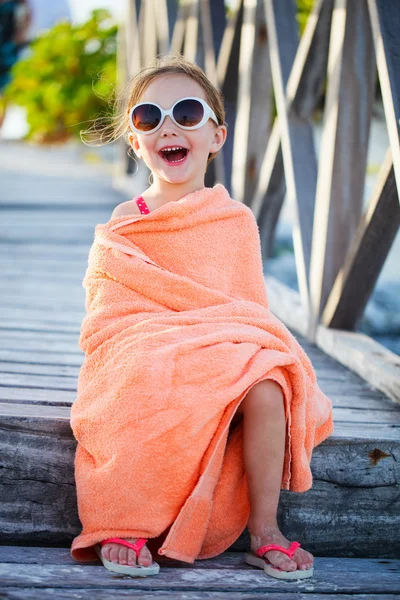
{"x":174,"y":155}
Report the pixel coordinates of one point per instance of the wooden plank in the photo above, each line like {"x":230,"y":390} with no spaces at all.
{"x":360,"y":353}
{"x":241,"y":132}
{"x":212,"y":26}
{"x":299,"y":157}
{"x":39,"y":316}
{"x":44,"y":358}
{"x":372,"y":242}
{"x":227,"y":69}
{"x":32,"y":413}
{"x":7,"y":324}
{"x":30,"y":593}
{"x":191,"y":29}
{"x":36,"y":555}
{"x":161,"y":21}
{"x":258,"y":113}
{"x":179,"y":30}
{"x":40,"y":344}
{"x":25,"y":396}
{"x":307,"y":76}
{"x":373,"y":362}
{"x":132,"y":43}
{"x":385,"y":22}
{"x":34,"y":369}
{"x":226,"y":581}
{"x":303,"y":87}
{"x":347,"y":114}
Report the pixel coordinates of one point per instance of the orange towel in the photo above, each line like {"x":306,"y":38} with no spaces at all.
{"x":177,"y":331}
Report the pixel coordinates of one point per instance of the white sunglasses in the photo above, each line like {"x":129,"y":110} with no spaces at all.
{"x":188,"y":113}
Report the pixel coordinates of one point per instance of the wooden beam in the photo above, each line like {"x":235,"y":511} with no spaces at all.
{"x":149,"y":32}
{"x":241,"y":133}
{"x":372,"y":242}
{"x":360,"y":353}
{"x":227,"y":69}
{"x":303,"y":88}
{"x":344,"y":147}
{"x":179,"y":30}
{"x":385,"y":22}
{"x":209,"y":34}
{"x":160,"y":14}
{"x":133,"y":51}
{"x":296,"y":136}
{"x":261,"y":105}
{"x":191,"y":29}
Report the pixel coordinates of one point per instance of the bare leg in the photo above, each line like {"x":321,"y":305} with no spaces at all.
{"x":264,"y":431}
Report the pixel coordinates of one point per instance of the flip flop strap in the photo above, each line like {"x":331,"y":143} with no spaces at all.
{"x":137,"y":546}
{"x":289,"y":551}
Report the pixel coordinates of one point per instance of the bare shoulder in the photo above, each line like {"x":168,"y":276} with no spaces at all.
{"x":125,"y":208}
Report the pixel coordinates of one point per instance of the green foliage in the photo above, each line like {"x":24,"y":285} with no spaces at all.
{"x":68,"y":77}
{"x":304,"y":7}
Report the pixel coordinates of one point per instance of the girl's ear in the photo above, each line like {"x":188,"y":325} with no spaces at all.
{"x":219,"y":138}
{"x":135,"y":144}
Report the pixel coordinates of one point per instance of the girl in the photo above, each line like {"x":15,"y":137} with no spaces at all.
{"x":174,"y":119}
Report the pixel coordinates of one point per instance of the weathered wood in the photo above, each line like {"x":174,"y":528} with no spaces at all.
{"x":347,"y":114}
{"x":372,"y":475}
{"x":306,"y":78}
{"x":254,"y":116}
{"x":160,"y":16}
{"x":227,"y":69}
{"x":210,"y":36}
{"x":227,"y":582}
{"x":296,"y":136}
{"x":227,"y":560}
{"x":42,"y":593}
{"x":385,"y":22}
{"x":72,"y":583}
{"x":241,"y":133}
{"x":372,"y":361}
{"x":372,"y":242}
{"x":191,"y":29}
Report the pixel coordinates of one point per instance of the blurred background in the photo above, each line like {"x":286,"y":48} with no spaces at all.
{"x":58,"y":71}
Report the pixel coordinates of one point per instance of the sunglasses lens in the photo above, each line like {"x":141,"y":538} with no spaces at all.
{"x":188,"y":113}
{"x":146,"y":117}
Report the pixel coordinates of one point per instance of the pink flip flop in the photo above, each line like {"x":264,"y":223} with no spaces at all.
{"x":133,"y":571}
{"x":270,"y":569}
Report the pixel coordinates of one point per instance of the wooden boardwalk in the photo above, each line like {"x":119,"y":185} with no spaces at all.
{"x":350,"y":519}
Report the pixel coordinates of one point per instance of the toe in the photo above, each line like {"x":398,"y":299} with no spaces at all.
{"x":131,"y":557}
{"x":303,"y":559}
{"x":281,"y":561}
{"x":114,"y":553}
{"x":145,"y":558}
{"x":123,"y":555}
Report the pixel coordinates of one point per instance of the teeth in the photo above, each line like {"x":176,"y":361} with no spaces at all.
{"x":175,"y":148}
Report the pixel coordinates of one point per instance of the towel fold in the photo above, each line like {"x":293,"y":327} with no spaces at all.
{"x":177,"y":330}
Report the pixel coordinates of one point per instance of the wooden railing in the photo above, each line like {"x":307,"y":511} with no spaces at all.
{"x":254,"y":55}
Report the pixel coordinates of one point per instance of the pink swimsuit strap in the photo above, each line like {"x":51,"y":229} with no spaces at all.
{"x":144,"y":209}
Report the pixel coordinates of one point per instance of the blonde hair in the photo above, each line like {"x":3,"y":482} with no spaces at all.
{"x":170,"y":64}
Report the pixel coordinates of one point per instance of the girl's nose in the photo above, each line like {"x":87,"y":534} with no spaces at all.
{"x":168,"y":126}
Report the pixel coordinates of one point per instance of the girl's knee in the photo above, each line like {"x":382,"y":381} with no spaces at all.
{"x":265,"y":391}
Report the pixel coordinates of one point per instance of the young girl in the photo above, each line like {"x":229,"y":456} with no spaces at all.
{"x":175,"y":123}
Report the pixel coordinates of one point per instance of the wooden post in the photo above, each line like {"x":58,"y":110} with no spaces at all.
{"x":385,"y":21}
{"x":344,"y":145}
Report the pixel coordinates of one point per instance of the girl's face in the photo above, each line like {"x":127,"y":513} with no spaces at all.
{"x":165,"y":90}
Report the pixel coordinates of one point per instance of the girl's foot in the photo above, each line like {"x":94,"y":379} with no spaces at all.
{"x":126,"y":556}
{"x":270,"y":534}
